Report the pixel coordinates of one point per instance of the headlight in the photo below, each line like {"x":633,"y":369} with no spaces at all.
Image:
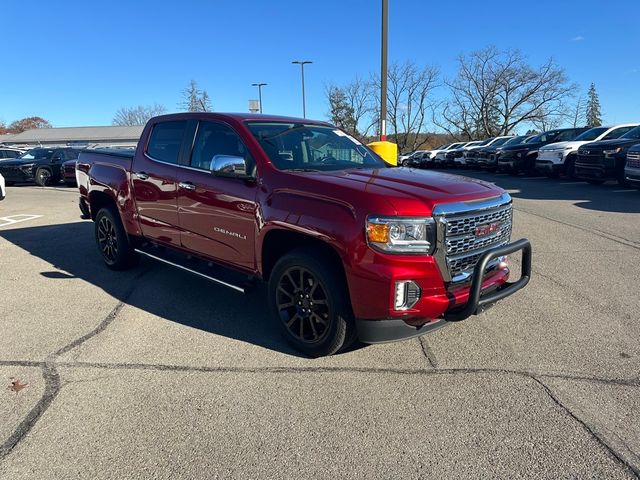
{"x":402,"y":234}
{"x":612,"y":152}
{"x":27,"y":166}
{"x":568,"y":148}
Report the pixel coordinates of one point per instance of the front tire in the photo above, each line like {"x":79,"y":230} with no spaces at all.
{"x":309,"y":300}
{"x":44,"y":177}
{"x":112,"y":241}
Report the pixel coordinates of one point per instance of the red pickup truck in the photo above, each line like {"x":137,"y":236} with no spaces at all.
{"x":350,"y":248}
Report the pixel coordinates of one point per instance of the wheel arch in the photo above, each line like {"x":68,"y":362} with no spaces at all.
{"x":278,"y":242}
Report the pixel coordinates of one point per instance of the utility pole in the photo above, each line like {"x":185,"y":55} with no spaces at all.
{"x":383,"y":71}
{"x":259,"y":85}
{"x":302,"y":63}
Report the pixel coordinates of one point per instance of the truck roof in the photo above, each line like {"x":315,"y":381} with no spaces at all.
{"x":241,"y":117}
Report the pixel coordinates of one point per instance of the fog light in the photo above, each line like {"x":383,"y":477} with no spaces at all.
{"x":407,"y":294}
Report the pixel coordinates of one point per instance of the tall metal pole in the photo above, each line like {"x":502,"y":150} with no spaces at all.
{"x":383,"y":72}
{"x":259,"y":85}
{"x":302,"y":64}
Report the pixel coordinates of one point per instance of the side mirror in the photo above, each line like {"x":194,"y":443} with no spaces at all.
{"x":229,"y":166}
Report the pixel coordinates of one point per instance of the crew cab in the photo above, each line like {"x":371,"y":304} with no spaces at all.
{"x":40,"y":165}
{"x":560,"y":157}
{"x":522,"y":157}
{"x":349,"y":247}
{"x":606,"y":159}
{"x":632,"y":168}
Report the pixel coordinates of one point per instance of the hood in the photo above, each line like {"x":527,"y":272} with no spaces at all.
{"x":616,"y":142}
{"x":15,"y":162}
{"x":562,"y":145}
{"x":408,"y":191}
{"x":522,"y":146}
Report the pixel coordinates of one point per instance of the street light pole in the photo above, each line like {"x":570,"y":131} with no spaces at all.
{"x":302,"y":64}
{"x":383,"y":71}
{"x":259,"y":85}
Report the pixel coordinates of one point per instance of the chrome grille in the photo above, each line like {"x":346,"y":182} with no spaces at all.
{"x":633,"y":160}
{"x":591,"y":158}
{"x":460,"y":246}
{"x":460,"y":225}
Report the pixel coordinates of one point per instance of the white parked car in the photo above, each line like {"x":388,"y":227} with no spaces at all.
{"x":471,"y":153}
{"x":458,"y":155}
{"x":560,"y":157}
{"x":2,"y":188}
{"x":440,"y":155}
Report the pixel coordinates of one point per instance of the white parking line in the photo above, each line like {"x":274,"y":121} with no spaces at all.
{"x":10,"y":220}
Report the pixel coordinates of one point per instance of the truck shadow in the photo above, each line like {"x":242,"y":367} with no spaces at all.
{"x":609,"y":197}
{"x":161,"y":290}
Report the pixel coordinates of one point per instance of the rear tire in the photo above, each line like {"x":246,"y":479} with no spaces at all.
{"x":309,"y":300}
{"x":112,"y":241}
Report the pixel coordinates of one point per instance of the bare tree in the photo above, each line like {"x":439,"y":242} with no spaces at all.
{"x":495,"y":91}
{"x":194,"y":99}
{"x":578,"y":113}
{"x":137,"y":115}
{"x":409,"y":90}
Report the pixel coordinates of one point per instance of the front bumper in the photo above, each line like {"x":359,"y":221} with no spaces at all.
{"x":439,"y":307}
{"x":17,"y":174}
{"x":547,"y":166}
{"x":632,"y":175}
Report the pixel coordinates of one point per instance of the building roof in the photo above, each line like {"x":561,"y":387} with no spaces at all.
{"x":77,"y":134}
{"x":6,"y":136}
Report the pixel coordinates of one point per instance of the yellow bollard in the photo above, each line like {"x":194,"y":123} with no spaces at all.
{"x":387,"y":151}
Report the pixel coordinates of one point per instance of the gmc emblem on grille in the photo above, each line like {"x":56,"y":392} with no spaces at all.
{"x":487,"y":229}
{"x":585,"y":152}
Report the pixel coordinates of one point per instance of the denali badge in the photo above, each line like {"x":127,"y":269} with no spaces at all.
{"x":231,"y":234}
{"x":487,"y":228}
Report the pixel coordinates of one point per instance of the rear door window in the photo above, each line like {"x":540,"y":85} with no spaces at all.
{"x":165,"y":141}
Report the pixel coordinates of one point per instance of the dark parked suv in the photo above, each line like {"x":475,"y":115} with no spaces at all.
{"x":605,"y":160}
{"x":632,"y":169}
{"x":40,"y":165}
{"x":522,"y":157}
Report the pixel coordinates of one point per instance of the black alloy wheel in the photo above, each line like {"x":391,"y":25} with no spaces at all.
{"x":303,"y":305}
{"x":43,"y":177}
{"x":107,"y":239}
{"x":309,"y":300}
{"x":112,"y":240}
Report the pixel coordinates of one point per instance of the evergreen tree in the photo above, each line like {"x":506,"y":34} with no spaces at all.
{"x":340,"y":112}
{"x":194,"y":99}
{"x":594,"y":116}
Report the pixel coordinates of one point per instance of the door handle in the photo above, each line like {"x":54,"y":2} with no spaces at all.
{"x":187,"y":185}
{"x":141,"y":175}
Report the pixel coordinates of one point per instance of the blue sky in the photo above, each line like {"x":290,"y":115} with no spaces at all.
{"x":76,"y":62}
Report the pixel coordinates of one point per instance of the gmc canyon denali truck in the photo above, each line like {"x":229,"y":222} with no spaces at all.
{"x":350,"y":248}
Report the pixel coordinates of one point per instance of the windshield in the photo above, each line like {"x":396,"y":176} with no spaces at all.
{"x":443,"y":146}
{"x":484,"y":142}
{"x":37,"y":154}
{"x":515,"y":140}
{"x":591,"y":134}
{"x":632,"y":134}
{"x":296,"y":146}
{"x":500,"y":141}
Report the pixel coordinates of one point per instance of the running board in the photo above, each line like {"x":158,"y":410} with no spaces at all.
{"x":195,"y":269}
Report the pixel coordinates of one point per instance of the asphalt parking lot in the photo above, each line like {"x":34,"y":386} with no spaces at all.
{"x":153,"y":373}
